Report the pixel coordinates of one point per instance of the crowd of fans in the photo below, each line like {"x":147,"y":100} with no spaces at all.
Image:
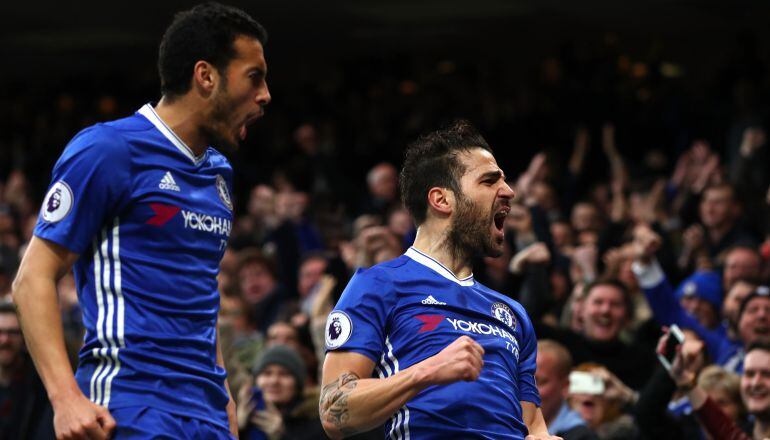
{"x":625,"y":222}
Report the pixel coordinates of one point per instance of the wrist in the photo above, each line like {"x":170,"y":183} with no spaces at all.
{"x":685,"y":386}
{"x":63,"y":395}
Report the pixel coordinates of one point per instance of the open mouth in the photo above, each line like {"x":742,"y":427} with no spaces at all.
{"x":242,"y":131}
{"x":500,"y":216}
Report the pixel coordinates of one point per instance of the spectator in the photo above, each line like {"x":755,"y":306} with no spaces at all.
{"x":259,"y":288}
{"x":605,"y":311}
{"x":382,"y":183}
{"x":554,"y":364}
{"x":603,"y":416}
{"x":25,"y":412}
{"x":289,"y":413}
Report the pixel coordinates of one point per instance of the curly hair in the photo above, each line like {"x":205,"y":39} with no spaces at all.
{"x":431,"y":161}
{"x":206,"y":32}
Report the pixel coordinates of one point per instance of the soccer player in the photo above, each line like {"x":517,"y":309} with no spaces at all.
{"x":140,"y":208}
{"x":416,"y":342}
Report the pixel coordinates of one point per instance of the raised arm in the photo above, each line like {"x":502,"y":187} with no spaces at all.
{"x":351,"y":401}
{"x":34,"y":293}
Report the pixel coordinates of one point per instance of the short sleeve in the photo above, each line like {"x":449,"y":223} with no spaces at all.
{"x":528,"y":362}
{"x":358,"y":322}
{"x":90,"y":184}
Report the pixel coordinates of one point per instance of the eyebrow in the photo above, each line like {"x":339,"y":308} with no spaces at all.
{"x":258,"y":70}
{"x":492,"y":174}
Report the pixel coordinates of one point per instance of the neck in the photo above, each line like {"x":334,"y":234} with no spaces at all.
{"x":716,"y":233}
{"x":8,"y":371}
{"x":433,"y":240}
{"x":183,"y":117}
{"x":761,"y":427}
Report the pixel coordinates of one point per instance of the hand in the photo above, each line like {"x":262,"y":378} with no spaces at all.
{"x":608,"y":140}
{"x":542,"y":437}
{"x":707,"y":171}
{"x":533,"y":172}
{"x":269,"y":421}
{"x":536,"y":253}
{"x":688,"y":361}
{"x":460,"y":360}
{"x":585,"y":258}
{"x":78,"y":418}
{"x":753,"y":138}
{"x":245,"y":405}
{"x":616,"y":390}
{"x":693,"y":237}
{"x":646,"y":243}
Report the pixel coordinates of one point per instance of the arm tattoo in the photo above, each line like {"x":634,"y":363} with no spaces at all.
{"x":333,"y":405}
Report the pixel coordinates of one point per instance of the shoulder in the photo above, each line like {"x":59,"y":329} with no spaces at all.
{"x":502,"y":299}
{"x":218,"y":160}
{"x":100,"y":141}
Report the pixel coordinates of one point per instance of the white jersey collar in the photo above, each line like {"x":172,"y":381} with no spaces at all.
{"x":149,"y":112}
{"x":437,"y":267}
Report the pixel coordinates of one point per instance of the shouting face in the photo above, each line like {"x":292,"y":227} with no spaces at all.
{"x":240,"y":97}
{"x":481,"y":206}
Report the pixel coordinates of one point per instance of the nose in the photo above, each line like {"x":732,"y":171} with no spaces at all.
{"x":263,"y":98}
{"x":506,"y":191}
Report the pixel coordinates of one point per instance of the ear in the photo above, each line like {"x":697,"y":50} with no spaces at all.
{"x":441,"y":200}
{"x":205,"y":77}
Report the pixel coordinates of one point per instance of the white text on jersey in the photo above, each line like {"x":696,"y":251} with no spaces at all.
{"x":207,"y":223}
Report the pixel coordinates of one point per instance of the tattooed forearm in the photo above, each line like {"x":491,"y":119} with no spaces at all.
{"x":333,"y":405}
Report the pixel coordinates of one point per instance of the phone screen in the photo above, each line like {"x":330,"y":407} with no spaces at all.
{"x":257,"y":399}
{"x":674,"y":339}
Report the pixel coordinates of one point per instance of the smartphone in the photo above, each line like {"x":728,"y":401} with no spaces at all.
{"x":675,"y":338}
{"x":257,"y":399}
{"x":581,"y":382}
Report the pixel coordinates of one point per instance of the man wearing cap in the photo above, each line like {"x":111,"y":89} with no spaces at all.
{"x":753,"y":325}
{"x":701,"y":296}
{"x":723,"y":346}
{"x":279,"y":375}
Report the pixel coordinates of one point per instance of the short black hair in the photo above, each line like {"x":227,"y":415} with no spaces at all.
{"x":628,"y":302}
{"x":206,"y":32}
{"x":431,"y":161}
{"x":758,"y":345}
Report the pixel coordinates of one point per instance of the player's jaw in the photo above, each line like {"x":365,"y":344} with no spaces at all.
{"x":228,"y":121}
{"x":476,"y":231}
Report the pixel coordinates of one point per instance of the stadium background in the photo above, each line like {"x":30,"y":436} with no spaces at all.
{"x":354,"y":82}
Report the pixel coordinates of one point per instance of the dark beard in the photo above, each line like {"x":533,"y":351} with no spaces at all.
{"x":219,"y":121}
{"x":469,"y":235}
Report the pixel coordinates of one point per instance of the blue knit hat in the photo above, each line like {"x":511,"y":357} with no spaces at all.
{"x":706,"y":285}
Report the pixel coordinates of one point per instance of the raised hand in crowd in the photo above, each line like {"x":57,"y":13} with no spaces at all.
{"x":645,"y":244}
{"x":533,"y":173}
{"x":536,"y":253}
{"x":582,"y":143}
{"x":585,"y":260}
{"x":616,"y":391}
{"x":753,"y":139}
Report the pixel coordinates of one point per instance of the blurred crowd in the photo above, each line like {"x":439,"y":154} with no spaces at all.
{"x":639,"y":206}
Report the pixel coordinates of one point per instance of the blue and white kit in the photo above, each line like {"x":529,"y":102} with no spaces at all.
{"x":403,"y":311}
{"x":150,"y":222}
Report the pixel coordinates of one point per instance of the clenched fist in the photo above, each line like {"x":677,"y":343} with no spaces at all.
{"x":460,"y":360}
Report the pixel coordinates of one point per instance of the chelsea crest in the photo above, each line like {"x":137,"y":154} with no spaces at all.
{"x":224,"y":193}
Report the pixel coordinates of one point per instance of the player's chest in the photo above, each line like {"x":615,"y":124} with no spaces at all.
{"x":431,"y":320}
{"x":182,"y":209}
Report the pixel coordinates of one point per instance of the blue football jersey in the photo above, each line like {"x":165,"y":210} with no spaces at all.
{"x":403,"y":311}
{"x":150,"y":222}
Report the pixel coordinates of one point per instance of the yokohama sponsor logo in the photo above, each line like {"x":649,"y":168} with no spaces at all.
{"x":481,"y":329}
{"x":207,"y":223}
